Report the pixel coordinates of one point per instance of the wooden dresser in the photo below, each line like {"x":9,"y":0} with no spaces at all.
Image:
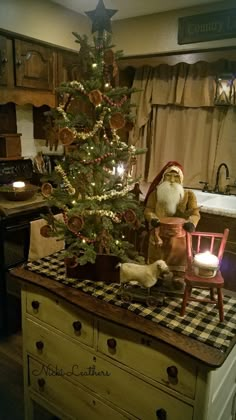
{"x":85,"y":359}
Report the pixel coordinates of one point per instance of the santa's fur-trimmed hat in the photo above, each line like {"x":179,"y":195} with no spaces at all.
{"x":170,"y":166}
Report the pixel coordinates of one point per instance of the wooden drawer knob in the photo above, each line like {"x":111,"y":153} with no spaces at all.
{"x":41,"y":383}
{"x":39,"y":345}
{"x":172,"y":372}
{"x":161,"y":414}
{"x":111,"y":342}
{"x":77,"y":325}
{"x":35,"y":304}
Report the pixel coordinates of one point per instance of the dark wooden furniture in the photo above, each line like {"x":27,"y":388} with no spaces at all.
{"x":8,"y":118}
{"x":194,"y":281}
{"x":27,"y":71}
{"x":10,"y":146}
{"x":34,"y":65}
{"x":30,"y":69}
{"x":68,"y":67}
{"x":6,"y":77}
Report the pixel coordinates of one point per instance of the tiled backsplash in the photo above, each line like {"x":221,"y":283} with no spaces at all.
{"x":30,"y":146}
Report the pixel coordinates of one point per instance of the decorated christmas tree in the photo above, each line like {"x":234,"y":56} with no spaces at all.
{"x":92,"y":185}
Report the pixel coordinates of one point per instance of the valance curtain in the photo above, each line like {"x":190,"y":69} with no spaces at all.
{"x":176,"y":120}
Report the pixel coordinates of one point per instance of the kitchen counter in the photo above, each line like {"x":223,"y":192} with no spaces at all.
{"x":10,"y":208}
{"x":218,"y":211}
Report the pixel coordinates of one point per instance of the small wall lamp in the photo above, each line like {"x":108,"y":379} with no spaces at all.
{"x":225,"y":90}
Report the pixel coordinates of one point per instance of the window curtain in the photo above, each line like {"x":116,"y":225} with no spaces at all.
{"x":176,"y":120}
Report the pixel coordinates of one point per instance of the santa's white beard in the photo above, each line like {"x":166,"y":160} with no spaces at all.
{"x":170,"y":195}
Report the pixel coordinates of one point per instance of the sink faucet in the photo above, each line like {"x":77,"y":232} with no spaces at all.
{"x":216,"y":189}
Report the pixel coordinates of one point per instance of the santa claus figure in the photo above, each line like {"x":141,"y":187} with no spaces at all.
{"x":169,"y":203}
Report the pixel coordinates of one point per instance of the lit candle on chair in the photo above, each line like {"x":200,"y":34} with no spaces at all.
{"x":205,"y":264}
{"x":18,"y":184}
{"x":206,"y":259}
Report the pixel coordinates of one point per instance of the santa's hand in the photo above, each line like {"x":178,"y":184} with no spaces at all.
{"x":189,"y":227}
{"x":158,"y":240}
{"x":155,"y":222}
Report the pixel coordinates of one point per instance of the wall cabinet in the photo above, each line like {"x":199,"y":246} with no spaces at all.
{"x":68,"y":67}
{"x":80,"y":366}
{"x":34,"y":65}
{"x":27,"y":72}
{"x":6,"y":60}
{"x":30,"y":70}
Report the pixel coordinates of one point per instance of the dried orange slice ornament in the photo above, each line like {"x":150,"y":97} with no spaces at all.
{"x":46,"y":189}
{"x":66,"y":136}
{"x":75,"y":223}
{"x":95,"y":97}
{"x":130,"y":216}
{"x":117,"y":121}
{"x":46,"y":231}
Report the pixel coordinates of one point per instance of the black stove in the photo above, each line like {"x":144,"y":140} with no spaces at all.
{"x":15,"y":218}
{"x":16,"y":170}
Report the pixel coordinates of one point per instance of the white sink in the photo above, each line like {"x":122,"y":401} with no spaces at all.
{"x":202,"y":196}
{"x":216,"y":202}
{"x":227,"y":202}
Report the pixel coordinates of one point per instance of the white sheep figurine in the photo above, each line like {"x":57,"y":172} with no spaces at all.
{"x":145,"y":275}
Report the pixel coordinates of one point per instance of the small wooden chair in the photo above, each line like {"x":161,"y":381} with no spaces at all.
{"x":200,"y":242}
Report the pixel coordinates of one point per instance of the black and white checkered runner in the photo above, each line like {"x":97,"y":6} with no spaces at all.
{"x":200,"y":322}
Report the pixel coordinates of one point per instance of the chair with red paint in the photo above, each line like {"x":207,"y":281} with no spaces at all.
{"x":209,"y":278}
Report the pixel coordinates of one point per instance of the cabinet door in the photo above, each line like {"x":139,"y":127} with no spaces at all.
{"x":34,"y":65}
{"x":6,"y":68}
{"x":68,"y":66}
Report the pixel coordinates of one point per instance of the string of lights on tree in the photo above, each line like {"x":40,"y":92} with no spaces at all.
{"x":93,"y":185}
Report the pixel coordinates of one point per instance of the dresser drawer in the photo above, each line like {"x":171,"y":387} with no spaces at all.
{"x":72,"y":399}
{"x":112,"y":383}
{"x":148,"y":356}
{"x":55,"y":312}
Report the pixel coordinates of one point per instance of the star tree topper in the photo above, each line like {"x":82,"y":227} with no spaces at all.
{"x":101,"y":18}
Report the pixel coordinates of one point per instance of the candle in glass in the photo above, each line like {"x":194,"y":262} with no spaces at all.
{"x":206,"y":259}
{"x":18,"y":184}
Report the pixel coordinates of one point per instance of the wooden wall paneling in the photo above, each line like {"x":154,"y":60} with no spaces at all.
{"x":8,"y":118}
{"x":40,"y":121}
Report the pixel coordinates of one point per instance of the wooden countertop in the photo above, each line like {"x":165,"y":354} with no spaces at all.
{"x":200,"y":351}
{"x":10,"y":208}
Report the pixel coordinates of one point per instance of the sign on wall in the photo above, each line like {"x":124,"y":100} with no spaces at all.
{"x":207,"y":27}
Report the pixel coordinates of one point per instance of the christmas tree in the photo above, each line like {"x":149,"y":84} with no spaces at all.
{"x":93,"y":185}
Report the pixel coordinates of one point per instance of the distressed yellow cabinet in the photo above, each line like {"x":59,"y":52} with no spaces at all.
{"x":82,"y":362}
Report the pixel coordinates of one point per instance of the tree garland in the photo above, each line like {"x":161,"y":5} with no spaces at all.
{"x":71,"y":190}
{"x":77,"y":85}
{"x":106,"y":213}
{"x":112,"y":194}
{"x":82,"y":135}
{"x":98,"y":160}
{"x":112,"y":103}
